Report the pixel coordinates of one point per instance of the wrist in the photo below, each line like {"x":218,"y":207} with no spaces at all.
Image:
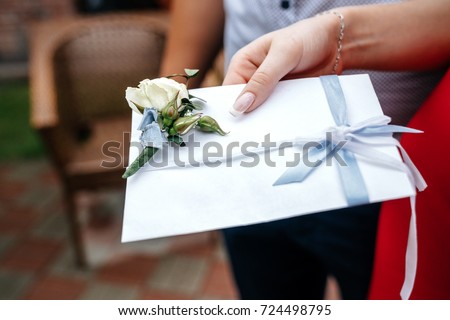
{"x":337,"y":64}
{"x":366,"y":34}
{"x":356,"y":40}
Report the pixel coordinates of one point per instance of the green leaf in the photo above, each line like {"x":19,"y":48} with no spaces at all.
{"x":186,"y":101}
{"x":194,"y":97}
{"x":190,"y":73}
{"x":176,"y":139}
{"x":144,"y":157}
{"x":191,"y":106}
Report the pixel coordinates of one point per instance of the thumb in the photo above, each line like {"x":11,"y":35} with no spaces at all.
{"x":261,"y":85}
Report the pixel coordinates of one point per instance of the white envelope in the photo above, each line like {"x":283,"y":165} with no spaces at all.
{"x":175,"y":200}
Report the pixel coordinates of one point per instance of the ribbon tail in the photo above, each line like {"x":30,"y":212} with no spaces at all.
{"x":377,"y":130}
{"x":292,"y":175}
{"x":401,"y":129}
{"x":411,"y":254}
{"x":416,"y":177}
{"x":352,"y":181}
{"x":301,"y":171}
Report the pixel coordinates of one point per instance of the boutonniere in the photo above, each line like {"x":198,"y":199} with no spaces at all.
{"x":169,"y":112}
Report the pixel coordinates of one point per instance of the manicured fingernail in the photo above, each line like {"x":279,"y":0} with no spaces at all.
{"x":242,"y":104}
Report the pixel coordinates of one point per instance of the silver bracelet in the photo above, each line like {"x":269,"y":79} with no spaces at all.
{"x":340,"y":36}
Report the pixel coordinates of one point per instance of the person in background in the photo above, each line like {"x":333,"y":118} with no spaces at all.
{"x":432,"y":280}
{"x":274,"y":40}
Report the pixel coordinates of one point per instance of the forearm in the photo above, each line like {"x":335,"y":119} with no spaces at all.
{"x":411,"y":35}
{"x":194,"y":37}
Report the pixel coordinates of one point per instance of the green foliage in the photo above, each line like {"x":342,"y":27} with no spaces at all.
{"x":190,"y":73}
{"x":176,"y":139}
{"x":17,"y":139}
{"x":144,"y":157}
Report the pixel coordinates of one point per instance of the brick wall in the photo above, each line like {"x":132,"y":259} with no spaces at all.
{"x":15,"y":19}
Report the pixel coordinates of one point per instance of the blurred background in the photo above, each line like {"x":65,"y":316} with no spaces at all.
{"x":64,"y":65}
{"x":38,"y":257}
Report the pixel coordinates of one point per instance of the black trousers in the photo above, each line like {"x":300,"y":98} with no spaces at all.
{"x":291,"y":258}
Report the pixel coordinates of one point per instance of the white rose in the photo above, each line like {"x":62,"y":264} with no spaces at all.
{"x":156,"y":93}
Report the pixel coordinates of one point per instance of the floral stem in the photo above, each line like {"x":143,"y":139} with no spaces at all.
{"x":142,"y":159}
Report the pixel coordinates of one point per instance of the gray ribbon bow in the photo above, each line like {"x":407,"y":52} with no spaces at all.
{"x":355,"y":143}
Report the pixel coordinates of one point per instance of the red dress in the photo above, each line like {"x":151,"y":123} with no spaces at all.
{"x":430,"y":152}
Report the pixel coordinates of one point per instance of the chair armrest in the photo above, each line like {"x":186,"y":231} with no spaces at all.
{"x":44,"y":112}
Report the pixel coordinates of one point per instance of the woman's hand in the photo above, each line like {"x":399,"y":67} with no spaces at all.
{"x":377,"y":37}
{"x":304,"y":49}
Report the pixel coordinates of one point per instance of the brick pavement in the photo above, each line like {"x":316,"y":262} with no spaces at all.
{"x":36,"y":260}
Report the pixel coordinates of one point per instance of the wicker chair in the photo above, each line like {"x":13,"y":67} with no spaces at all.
{"x":79,"y":70}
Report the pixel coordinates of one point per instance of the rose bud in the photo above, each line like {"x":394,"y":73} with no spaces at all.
{"x":170,"y":111}
{"x":183,"y":124}
{"x":208,"y":124}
